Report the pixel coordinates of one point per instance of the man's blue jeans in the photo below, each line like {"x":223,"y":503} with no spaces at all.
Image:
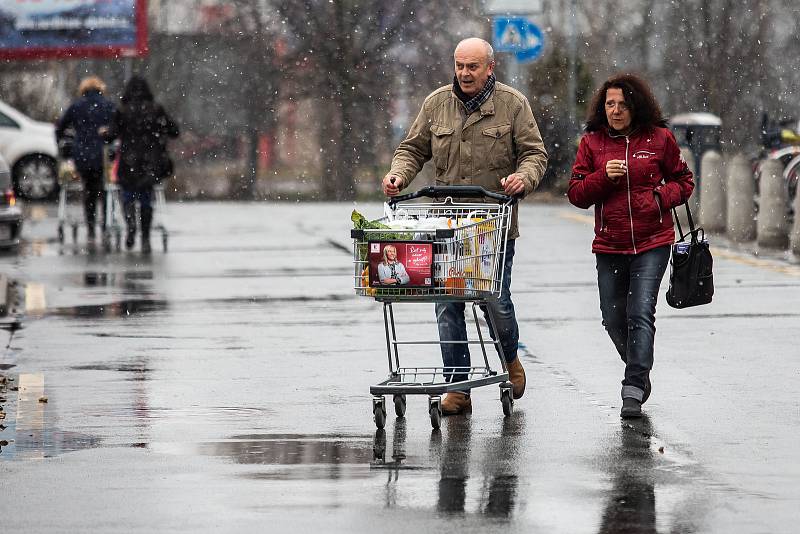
{"x":453,"y":327}
{"x":628,"y":286}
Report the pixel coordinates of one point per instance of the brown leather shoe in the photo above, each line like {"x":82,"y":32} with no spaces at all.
{"x":455,"y":403}
{"x":517,"y":376}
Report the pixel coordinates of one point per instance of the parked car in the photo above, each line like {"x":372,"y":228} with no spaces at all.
{"x":10,"y":213}
{"x":29,"y":148}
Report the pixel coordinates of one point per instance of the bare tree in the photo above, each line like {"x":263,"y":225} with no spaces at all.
{"x":348,"y":53}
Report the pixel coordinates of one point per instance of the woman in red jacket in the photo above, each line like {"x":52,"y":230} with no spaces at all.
{"x":629,"y":167}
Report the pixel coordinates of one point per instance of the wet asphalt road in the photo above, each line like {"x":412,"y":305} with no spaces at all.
{"x":224,"y":386}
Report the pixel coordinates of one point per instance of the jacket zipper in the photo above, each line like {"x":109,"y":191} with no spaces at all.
{"x":602,"y":228}
{"x":630,"y":205}
{"x":658,"y":203}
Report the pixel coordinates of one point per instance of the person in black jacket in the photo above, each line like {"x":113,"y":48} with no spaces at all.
{"x":143,"y":128}
{"x":90,"y":112}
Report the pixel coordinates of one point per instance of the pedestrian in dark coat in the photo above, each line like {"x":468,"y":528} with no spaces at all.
{"x":143,"y":128}
{"x":90,"y":112}
{"x":629,"y":167}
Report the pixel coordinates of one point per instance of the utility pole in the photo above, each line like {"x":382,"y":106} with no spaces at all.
{"x":572,"y":49}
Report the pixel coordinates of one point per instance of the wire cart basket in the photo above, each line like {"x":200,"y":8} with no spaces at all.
{"x":69,"y":211}
{"x":452,"y":250}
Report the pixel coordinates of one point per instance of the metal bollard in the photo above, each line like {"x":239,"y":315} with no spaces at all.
{"x":741,"y":206}
{"x":773,"y":227}
{"x":712,"y":197}
{"x":794,"y":238}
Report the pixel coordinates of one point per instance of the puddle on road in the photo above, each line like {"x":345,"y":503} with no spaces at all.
{"x":138,"y":370}
{"x":289,"y":456}
{"x":26,"y":432}
{"x":127,"y":280}
{"x":120,"y":308}
{"x":45,"y":444}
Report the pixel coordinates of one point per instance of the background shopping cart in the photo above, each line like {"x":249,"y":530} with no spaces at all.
{"x":70,"y":202}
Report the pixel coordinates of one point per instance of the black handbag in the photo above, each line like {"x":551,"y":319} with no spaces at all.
{"x":691,"y":277}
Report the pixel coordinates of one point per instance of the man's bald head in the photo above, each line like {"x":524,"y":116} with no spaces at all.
{"x":476,"y":46}
{"x":474,"y":63}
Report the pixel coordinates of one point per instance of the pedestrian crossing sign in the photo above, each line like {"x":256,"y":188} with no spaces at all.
{"x":519,"y":36}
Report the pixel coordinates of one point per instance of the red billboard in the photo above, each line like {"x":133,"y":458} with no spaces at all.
{"x":44,"y":29}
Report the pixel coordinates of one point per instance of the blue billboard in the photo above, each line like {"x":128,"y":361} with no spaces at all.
{"x":34,"y":29}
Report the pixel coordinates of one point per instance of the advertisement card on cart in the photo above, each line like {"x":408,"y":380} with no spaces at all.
{"x":401,"y":264}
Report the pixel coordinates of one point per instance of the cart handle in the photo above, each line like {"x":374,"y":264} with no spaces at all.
{"x":464,"y":191}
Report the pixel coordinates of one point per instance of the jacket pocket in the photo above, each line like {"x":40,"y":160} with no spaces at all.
{"x":497,"y":146}
{"x":657,"y":198}
{"x":440,"y":145}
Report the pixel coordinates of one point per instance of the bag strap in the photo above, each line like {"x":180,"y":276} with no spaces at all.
{"x":693,"y":230}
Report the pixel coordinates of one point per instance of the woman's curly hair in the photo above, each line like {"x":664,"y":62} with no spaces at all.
{"x":645,"y":111}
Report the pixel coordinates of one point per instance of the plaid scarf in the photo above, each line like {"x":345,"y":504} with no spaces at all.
{"x":475,"y":102}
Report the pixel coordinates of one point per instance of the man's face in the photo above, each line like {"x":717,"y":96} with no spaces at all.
{"x":472,"y":68}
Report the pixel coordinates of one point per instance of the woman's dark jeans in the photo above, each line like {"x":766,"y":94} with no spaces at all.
{"x":453,"y":327}
{"x":629,"y":286}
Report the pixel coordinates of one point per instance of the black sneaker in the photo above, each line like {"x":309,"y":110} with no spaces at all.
{"x":630,"y":408}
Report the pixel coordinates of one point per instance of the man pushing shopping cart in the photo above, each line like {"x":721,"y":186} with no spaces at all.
{"x":478,"y":132}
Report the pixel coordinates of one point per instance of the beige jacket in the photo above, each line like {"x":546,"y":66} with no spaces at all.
{"x":480,"y":149}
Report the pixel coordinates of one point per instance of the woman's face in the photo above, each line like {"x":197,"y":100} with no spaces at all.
{"x":391,"y":253}
{"x":618,"y":114}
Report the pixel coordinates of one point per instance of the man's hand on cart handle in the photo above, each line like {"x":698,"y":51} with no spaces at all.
{"x":392,"y":185}
{"x":513,"y":185}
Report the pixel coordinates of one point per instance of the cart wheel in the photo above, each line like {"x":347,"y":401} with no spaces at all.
{"x":379,"y":411}
{"x":74,"y":233}
{"x":507,"y":400}
{"x":61,"y":233}
{"x":400,"y":405}
{"x":164,"y":240}
{"x":435,"y":411}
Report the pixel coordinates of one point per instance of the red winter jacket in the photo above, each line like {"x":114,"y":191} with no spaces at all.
{"x":632,"y":215}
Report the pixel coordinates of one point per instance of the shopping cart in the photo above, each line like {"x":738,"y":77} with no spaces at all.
{"x":70,"y":205}
{"x":453,"y":249}
{"x":160,"y":205}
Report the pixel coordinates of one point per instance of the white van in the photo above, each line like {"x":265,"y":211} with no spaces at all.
{"x":29,"y":148}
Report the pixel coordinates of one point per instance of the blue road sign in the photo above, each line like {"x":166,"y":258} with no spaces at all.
{"x":519,"y":36}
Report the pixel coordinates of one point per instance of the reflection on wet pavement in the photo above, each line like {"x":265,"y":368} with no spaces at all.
{"x":455,"y":450}
{"x":451,"y":449}
{"x":631,"y":504}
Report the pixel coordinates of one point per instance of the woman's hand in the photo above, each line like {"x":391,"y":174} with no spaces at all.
{"x":616,"y":169}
